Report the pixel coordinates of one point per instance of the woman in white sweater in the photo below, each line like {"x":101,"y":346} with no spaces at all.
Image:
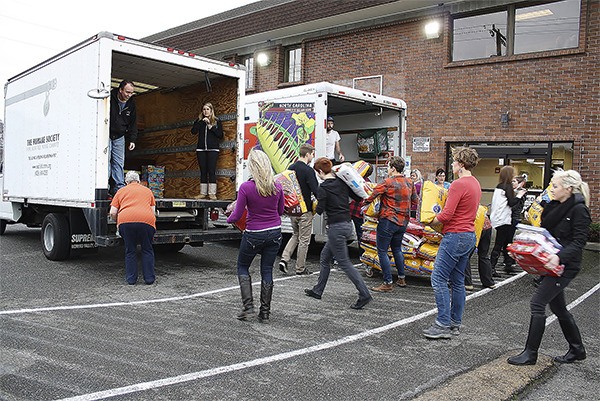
{"x":501,"y":216}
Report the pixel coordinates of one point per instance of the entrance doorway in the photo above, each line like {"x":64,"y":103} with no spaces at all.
{"x":536,"y":160}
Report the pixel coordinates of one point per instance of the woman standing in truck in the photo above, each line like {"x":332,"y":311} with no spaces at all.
{"x":210,"y":132}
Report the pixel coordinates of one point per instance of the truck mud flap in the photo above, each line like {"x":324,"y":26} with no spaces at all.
{"x":192,"y":237}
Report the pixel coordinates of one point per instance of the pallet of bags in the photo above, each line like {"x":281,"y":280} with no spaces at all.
{"x":292,"y":194}
{"x":531,"y":247}
{"x":427,"y":266}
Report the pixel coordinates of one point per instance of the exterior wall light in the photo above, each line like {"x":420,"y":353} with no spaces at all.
{"x":263,"y":59}
{"x":432,"y":30}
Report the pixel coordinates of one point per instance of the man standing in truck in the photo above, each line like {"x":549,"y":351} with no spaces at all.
{"x":332,"y":142}
{"x":123,"y":132}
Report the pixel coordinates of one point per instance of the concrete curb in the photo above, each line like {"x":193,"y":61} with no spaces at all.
{"x":496,"y":380}
{"x":592,"y":246}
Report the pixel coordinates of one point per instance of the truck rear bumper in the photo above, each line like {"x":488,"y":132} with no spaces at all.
{"x":192,"y":237}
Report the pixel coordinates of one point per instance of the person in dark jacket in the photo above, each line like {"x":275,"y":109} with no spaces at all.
{"x":567,"y":218}
{"x":302,"y":225}
{"x":123,"y":132}
{"x":210,"y":132}
{"x":332,"y":197}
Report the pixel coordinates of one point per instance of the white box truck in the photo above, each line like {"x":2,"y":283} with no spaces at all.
{"x":371,"y":127}
{"x":56,"y":160}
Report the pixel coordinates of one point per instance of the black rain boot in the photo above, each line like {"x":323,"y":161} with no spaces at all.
{"x":247,"y":302}
{"x":537,"y":325}
{"x":576,"y":350}
{"x":266,"y":293}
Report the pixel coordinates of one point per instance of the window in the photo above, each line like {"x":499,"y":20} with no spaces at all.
{"x":293,"y":60}
{"x":517,"y":30}
{"x":248,"y":62}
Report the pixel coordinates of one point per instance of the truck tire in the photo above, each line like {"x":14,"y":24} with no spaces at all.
{"x":167,"y":248}
{"x":2,"y":227}
{"x":56,"y":242}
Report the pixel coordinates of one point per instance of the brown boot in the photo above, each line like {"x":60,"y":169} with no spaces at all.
{"x":401,"y":282}
{"x":385,"y":287}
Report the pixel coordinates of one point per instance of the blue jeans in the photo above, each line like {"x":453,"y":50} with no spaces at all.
{"x":337,"y":247}
{"x":134,"y":234}
{"x":116,"y":148}
{"x":267,"y":244}
{"x":450,"y":263}
{"x":390,"y":235}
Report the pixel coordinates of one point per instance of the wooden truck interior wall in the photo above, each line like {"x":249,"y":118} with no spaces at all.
{"x":165,"y":119}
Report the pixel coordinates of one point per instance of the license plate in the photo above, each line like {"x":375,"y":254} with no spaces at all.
{"x":178,"y":204}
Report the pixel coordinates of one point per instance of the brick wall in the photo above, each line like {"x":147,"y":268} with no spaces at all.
{"x":554,"y":97}
{"x":548,"y":98}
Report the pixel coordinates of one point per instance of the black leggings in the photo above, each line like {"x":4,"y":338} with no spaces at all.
{"x":551,"y":291}
{"x":207,"y":161}
{"x":504,"y":235}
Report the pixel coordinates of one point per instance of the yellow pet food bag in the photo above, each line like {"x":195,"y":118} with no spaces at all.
{"x":433,"y":199}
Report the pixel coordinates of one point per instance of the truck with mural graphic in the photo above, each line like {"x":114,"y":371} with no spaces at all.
{"x":56,"y":150}
{"x":371,"y":126}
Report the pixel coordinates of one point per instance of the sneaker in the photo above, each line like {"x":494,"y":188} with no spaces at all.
{"x":401,"y":282}
{"x":469,"y":287}
{"x":304,"y":272}
{"x":436,"y":332}
{"x":310,"y":293}
{"x":283,"y":266}
{"x":385,"y":287}
{"x":455,"y":330}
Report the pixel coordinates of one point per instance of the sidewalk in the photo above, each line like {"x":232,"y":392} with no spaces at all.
{"x":496,"y":380}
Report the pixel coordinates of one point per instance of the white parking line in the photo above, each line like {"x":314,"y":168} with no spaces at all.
{"x":260,"y":361}
{"x":575,"y":303}
{"x":113,"y":304}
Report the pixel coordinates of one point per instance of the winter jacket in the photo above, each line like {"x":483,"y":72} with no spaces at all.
{"x":568,"y":222}
{"x":333,"y":198}
{"x":516,"y":210}
{"x":502,"y":202}
{"x":208,"y":139}
{"x":122,"y":122}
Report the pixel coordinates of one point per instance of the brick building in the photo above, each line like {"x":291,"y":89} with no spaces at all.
{"x":519,"y":81}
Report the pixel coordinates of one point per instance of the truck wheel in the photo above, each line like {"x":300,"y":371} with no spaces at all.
{"x":56,"y":241}
{"x":167,"y":248}
{"x":2,"y":226}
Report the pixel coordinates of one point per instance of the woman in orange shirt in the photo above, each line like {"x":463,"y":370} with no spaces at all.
{"x":134,"y":209}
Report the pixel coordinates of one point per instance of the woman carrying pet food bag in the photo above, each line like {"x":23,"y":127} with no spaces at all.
{"x":568,"y":219}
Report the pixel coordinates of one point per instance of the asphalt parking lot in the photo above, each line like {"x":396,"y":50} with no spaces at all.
{"x":74,"y":330}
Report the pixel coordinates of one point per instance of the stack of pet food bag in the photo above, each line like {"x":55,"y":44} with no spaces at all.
{"x":421,"y":241}
{"x":531,"y":247}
